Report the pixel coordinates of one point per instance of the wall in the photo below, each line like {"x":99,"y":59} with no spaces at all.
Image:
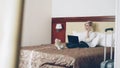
{"x":78,"y":8}
{"x":37,"y":22}
{"x":10,"y":14}
{"x":117,"y":36}
{"x":79,"y":26}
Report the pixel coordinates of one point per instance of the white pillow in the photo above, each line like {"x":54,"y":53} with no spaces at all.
{"x":109,"y":40}
{"x":79,"y":34}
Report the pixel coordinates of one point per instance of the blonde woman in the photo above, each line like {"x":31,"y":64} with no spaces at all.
{"x":89,"y":35}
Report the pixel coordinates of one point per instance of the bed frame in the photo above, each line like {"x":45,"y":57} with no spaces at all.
{"x":64,"y":20}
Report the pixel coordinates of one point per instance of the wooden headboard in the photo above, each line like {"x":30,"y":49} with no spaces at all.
{"x":64,"y":20}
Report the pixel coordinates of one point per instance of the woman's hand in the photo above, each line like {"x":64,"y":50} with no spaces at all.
{"x":87,"y":34}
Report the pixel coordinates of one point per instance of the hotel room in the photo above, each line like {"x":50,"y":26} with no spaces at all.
{"x":47,"y":24}
{"x":40,"y":28}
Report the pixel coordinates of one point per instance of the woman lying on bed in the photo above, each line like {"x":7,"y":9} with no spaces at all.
{"x":88,"y":37}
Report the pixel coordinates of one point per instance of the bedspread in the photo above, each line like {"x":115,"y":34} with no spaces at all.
{"x":47,"y":56}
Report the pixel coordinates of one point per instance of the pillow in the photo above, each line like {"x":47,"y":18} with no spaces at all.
{"x":109,"y":40}
{"x":79,"y":34}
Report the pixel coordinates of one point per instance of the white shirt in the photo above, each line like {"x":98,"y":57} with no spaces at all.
{"x":89,"y":40}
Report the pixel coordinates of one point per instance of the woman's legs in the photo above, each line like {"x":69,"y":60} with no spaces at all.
{"x":83,"y":44}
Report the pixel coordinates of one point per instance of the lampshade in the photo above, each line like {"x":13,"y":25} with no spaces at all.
{"x":58,"y":26}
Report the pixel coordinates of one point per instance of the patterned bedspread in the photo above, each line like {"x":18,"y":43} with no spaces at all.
{"x":47,"y":56}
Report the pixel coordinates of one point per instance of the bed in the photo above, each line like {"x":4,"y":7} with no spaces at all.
{"x":47,"y":56}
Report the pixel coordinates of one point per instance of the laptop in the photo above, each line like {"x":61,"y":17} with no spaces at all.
{"x":73,"y":39}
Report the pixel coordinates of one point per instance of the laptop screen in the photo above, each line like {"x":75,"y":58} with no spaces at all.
{"x":73,"y":39}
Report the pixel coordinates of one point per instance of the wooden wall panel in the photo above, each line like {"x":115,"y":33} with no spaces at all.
{"x":60,"y":35}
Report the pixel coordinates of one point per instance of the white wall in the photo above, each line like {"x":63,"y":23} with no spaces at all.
{"x":37,"y":22}
{"x":73,"y":8}
{"x":117,"y":36}
{"x":9,"y":32}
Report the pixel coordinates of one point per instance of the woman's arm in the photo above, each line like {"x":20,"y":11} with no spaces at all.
{"x":90,"y":36}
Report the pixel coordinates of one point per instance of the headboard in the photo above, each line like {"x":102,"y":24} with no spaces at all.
{"x":76,"y":24}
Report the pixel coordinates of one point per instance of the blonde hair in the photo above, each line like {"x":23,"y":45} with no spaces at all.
{"x":90,"y":24}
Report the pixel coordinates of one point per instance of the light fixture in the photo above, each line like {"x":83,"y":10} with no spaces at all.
{"x":58,"y":27}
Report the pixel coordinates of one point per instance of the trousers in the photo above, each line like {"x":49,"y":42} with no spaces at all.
{"x":81,"y":44}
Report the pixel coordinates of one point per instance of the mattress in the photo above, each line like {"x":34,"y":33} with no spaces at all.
{"x":48,"y":56}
